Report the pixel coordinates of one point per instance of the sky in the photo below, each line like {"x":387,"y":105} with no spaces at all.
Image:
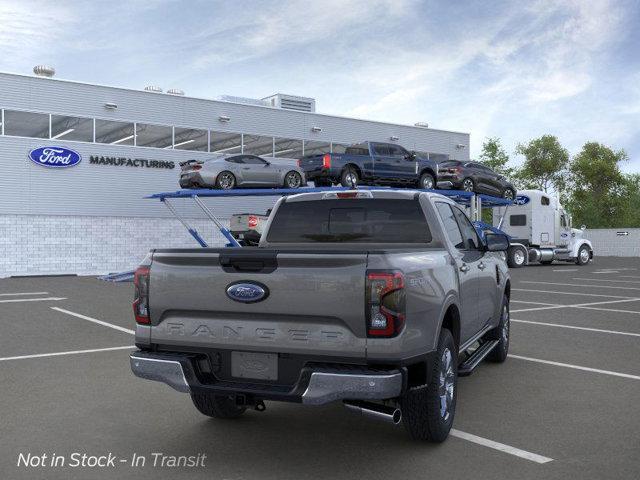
{"x":514,"y":70}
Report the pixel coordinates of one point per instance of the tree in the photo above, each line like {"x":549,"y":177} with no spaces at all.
{"x":495,"y":157}
{"x":599,"y":191}
{"x":545,"y":164}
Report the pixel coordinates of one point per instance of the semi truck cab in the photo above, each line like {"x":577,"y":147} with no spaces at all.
{"x":541,"y":231}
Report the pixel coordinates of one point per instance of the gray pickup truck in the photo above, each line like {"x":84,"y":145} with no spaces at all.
{"x":377,"y":298}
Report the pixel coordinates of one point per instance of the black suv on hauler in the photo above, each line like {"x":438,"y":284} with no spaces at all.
{"x":475,"y":177}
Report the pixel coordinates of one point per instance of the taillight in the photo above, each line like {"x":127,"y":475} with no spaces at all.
{"x":299,"y":163}
{"x":141,"y":297}
{"x":326,"y":161}
{"x":385,"y":297}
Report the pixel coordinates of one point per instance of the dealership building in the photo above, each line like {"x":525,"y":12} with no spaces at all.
{"x":91,"y":217}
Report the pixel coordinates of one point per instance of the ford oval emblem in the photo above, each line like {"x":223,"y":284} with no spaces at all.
{"x":521,"y":200}
{"x":247,"y":292}
{"x":55,"y":157}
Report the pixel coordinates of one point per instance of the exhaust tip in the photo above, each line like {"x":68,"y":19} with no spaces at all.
{"x":375,"y":410}
{"x":396,"y":417}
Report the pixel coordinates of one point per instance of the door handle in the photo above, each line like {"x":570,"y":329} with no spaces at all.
{"x":482,"y":266}
{"x":464,"y":267}
{"x":246,"y":168}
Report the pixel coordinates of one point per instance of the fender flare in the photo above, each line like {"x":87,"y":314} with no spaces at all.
{"x":578,"y":245}
{"x":450,"y":299}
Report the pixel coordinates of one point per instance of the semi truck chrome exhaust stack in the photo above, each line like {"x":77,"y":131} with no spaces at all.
{"x":374,"y":410}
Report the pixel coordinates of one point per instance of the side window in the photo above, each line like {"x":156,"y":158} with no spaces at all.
{"x":517,"y":220}
{"x":469,"y":233}
{"x":381,"y":149}
{"x":253,"y":160}
{"x":396,"y":151}
{"x":235,"y":159}
{"x":450,"y":225}
{"x":544,"y":200}
{"x":563,"y":221}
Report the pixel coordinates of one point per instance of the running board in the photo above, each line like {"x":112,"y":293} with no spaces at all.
{"x":476,"y":357}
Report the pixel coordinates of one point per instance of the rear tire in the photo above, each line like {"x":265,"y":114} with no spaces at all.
{"x":292,"y":180}
{"x":516,"y":257}
{"x":508,"y":194}
{"x":217,"y":406}
{"x":427,"y":182}
{"x":502,"y":334}
{"x":468,"y":185}
{"x":428,"y":411}
{"x":349,"y":177}
{"x":225,"y":180}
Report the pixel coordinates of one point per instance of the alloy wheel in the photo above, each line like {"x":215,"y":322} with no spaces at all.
{"x":293,"y":180}
{"x":446,"y":383}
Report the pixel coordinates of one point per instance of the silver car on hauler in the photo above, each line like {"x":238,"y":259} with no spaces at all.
{"x":241,"y":170}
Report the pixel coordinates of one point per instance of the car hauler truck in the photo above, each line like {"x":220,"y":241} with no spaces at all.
{"x":540,"y":231}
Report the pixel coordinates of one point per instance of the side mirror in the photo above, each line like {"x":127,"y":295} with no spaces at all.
{"x":496,"y":242}
{"x":583,"y":227}
{"x":410,"y":156}
{"x":267,"y":164}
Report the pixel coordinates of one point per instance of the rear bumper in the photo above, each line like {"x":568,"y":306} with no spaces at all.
{"x":190,"y":180}
{"x":317,"y":385}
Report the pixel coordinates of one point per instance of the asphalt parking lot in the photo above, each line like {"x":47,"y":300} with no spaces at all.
{"x":565,"y":404}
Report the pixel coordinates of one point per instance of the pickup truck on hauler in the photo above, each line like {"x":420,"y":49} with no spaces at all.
{"x":371,"y":163}
{"x":377,"y":298}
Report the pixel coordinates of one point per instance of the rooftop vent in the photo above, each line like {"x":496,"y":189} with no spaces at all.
{"x":153,"y":88}
{"x":175,"y":91}
{"x":292,"y":102}
{"x":44,"y":71}
{"x":244,"y":100}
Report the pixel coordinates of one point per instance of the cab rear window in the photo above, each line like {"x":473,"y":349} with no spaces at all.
{"x":350,"y":221}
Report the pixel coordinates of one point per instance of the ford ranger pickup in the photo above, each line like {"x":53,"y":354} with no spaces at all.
{"x":371,"y":163}
{"x":379,"y":299}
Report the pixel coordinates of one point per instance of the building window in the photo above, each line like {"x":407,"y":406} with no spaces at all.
{"x":287,"y":148}
{"x":71,"y":128}
{"x":157,"y":136}
{"x":114,"y":133}
{"x":26,"y":124}
{"x":316,"y":148}
{"x":258,"y":145}
{"x":190,"y":139}
{"x":224,"y":142}
{"x":338,"y":147}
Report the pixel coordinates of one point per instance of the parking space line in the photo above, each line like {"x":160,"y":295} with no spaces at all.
{"x":23,"y":293}
{"x":71,"y":352}
{"x":485,"y":442}
{"x":566,"y":269}
{"x":579,"y":305}
{"x":578,"y":285}
{"x":572,"y":293}
{"x":604,"y":280}
{"x":576,"y":367}
{"x":617,"y":310}
{"x":537,"y":303}
{"x":95,"y":320}
{"x":16,"y":300}
{"x":573,"y":327}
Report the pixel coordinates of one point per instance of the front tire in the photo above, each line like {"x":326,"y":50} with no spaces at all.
{"x":502,"y":334}
{"x":216,"y":406}
{"x":428,"y":411}
{"x":584,"y":255}
{"x":225,"y":180}
{"x":427,"y":182}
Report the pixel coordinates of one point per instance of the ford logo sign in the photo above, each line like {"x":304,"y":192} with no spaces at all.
{"x":247,"y":292}
{"x":521,"y":200}
{"x":55,"y":157}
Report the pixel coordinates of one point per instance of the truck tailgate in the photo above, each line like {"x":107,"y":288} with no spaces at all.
{"x":314,"y":302}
